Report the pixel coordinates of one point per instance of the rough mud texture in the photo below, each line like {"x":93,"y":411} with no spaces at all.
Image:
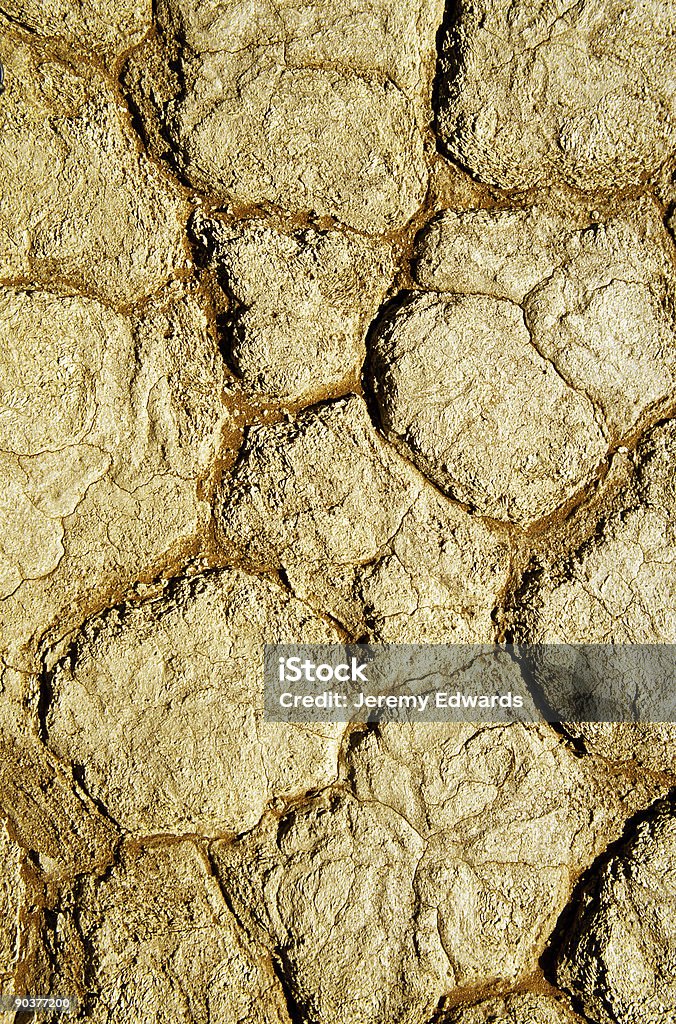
{"x":459,"y":401}
{"x":157,"y":708}
{"x":619,"y":955}
{"x":332,"y":888}
{"x":516,"y":1009}
{"x":301,"y":303}
{"x":542,"y":342}
{"x":313,"y":108}
{"x":534,"y":92}
{"x":11,"y":902}
{"x":336,"y":323}
{"x":48,"y":814}
{"x":359,"y":533}
{"x":105,"y":28}
{"x":109,"y":424}
{"x":157,"y":940}
{"x":509,"y":817}
{"x":81,"y":206}
{"x":619,"y":586}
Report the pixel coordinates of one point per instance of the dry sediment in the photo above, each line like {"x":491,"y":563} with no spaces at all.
{"x":325,"y":323}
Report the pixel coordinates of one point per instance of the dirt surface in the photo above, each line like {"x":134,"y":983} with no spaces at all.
{"x":332,"y":323}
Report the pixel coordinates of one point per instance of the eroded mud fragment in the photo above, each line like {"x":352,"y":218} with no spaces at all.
{"x":460,"y":385}
{"x":544,"y":340}
{"x":80,"y":205}
{"x":154,"y":937}
{"x":101,"y":27}
{"x":510,"y":817}
{"x":619,"y":588}
{"x":331,"y":889}
{"x":108,"y":425}
{"x":526,"y":1008}
{"x":48,"y":813}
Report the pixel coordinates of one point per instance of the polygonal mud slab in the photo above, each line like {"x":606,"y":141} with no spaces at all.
{"x":301,"y":302}
{"x":499,"y":252}
{"x":510,"y":816}
{"x":331,"y":888}
{"x":153,"y":940}
{"x":605,"y":318}
{"x":460,"y":386}
{"x":553,"y":338}
{"x":619,"y":959}
{"x":108,"y":425}
{"x":535,"y":93}
{"x":358,"y":532}
{"x":619,"y":587}
{"x":80,"y":205}
{"x":160,"y":707}
{"x":311,"y":108}
{"x":447,"y":865}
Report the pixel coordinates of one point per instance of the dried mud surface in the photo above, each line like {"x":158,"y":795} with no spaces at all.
{"x":322,"y":323}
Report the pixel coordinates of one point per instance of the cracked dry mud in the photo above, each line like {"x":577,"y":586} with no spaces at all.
{"x":331,"y":323}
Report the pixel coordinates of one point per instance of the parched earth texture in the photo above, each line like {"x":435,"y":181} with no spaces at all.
{"x":332,"y":322}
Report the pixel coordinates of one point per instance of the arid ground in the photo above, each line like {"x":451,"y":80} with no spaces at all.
{"x":323,"y":322}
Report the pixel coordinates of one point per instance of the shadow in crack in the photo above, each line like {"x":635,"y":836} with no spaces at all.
{"x":385,"y":316}
{"x":444,"y":78}
{"x":585,"y":882}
